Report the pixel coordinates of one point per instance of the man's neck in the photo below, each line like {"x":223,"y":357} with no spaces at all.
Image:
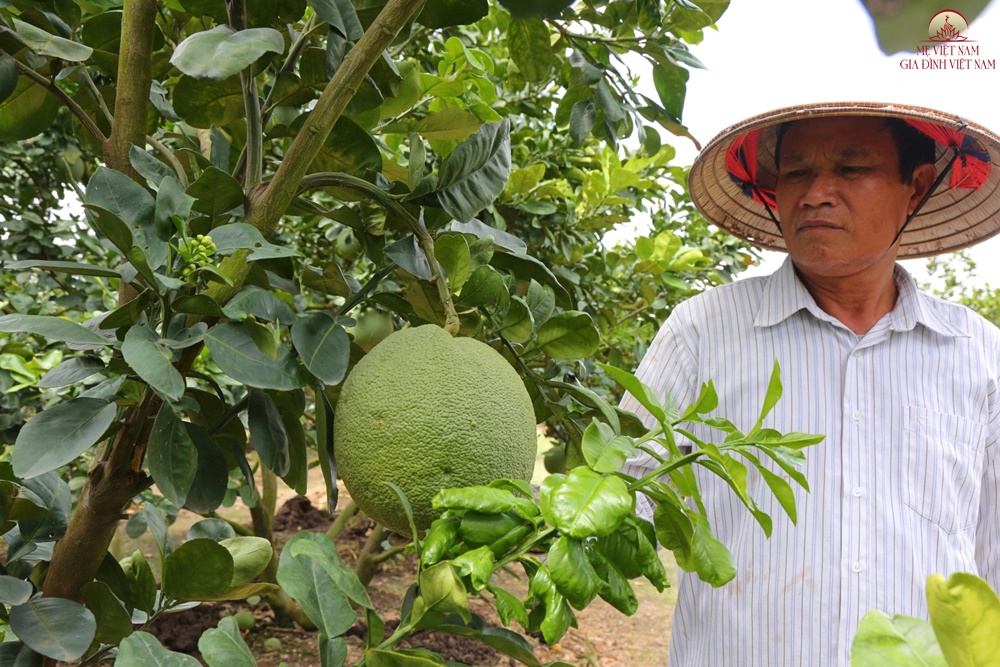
{"x":857,"y":301}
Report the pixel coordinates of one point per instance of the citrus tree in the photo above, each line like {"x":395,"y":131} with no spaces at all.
{"x":254,"y":176}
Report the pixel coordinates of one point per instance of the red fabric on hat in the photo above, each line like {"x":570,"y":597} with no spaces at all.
{"x":741,"y":163}
{"x":972,"y":168}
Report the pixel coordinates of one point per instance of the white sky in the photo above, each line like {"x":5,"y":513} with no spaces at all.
{"x":772,"y":53}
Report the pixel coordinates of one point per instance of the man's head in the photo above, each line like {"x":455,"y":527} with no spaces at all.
{"x":733,"y":180}
{"x":843,"y":192}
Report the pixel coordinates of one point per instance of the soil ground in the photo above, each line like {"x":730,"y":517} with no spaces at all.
{"x":605,"y":637}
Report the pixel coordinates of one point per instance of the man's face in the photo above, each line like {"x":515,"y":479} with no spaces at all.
{"x":840,"y":196}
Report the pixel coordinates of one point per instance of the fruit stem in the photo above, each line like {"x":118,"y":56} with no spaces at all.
{"x":451,"y":321}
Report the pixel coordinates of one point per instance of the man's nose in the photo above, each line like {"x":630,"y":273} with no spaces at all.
{"x":821,"y":190}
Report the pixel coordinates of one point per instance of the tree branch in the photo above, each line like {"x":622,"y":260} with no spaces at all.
{"x":65,"y":99}
{"x":134,"y":80}
{"x":266,"y":210}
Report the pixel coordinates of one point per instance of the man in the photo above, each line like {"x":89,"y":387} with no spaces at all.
{"x":903,"y":385}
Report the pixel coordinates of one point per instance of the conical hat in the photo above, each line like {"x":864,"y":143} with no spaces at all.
{"x":735,"y":174}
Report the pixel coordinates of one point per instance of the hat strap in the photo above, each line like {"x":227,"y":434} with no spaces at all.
{"x":927,"y":196}
{"x":767,"y":208}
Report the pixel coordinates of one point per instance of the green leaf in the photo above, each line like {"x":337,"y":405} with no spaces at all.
{"x":771,"y":396}
{"x":215,"y":192}
{"x":527,"y":267}
{"x":632,"y":549}
{"x":196,"y":570}
{"x":671,"y":85}
{"x":332,"y":281}
{"x":56,"y":436}
{"x":452,"y":252}
{"x":55,"y":328}
{"x":131,"y":203}
{"x":236,"y":353}
{"x":8,"y":76}
{"x":713,"y":562}
{"x":152,"y":362}
{"x":447,"y":124}
{"x":530,"y":48}
{"x":211,"y":478}
{"x":267,"y":432}
{"x":341,"y":16}
{"x":250,"y":556}
{"x":484,"y":286}
{"x":239,"y":235}
{"x":675,"y":531}
{"x":205,"y":104}
{"x":965,"y":614}
{"x":642,"y":393}
{"x":212,"y":529}
{"x":72,"y":268}
{"x":901,"y":641}
{"x":71,"y":371}
{"x":605,"y":451}
{"x":224,"y":646}
{"x":349,"y":149}
{"x":45,"y":44}
{"x":27,"y":111}
{"x":585,"y":503}
{"x":504,"y":640}
{"x":198,"y":304}
{"x":569,"y":335}
{"x":582,"y":118}
{"x":499,"y":237}
{"x":261,"y":304}
{"x":141,"y":582}
{"x":142,"y":649}
{"x":617,"y":591}
{"x":322,"y":551}
{"x":571,"y":571}
{"x":446,"y":13}
{"x":55,"y":627}
{"x":14,"y":591}
{"x":517,"y":323}
{"x":149,"y":167}
{"x":475,"y":173}
{"x":172,"y":457}
{"x":323,"y":345}
{"x":442,"y":590}
{"x":309,"y":584}
{"x":221,"y":52}
{"x":410,"y":256}
{"x":479,"y":498}
{"x":114,"y":621}
{"x":509,"y":607}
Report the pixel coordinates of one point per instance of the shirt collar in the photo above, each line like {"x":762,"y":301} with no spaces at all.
{"x":784,"y":295}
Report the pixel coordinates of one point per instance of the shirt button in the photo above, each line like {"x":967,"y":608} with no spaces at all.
{"x":857,"y":353}
{"x":856,"y":567}
{"x":856,"y":416}
{"x":856,"y":492}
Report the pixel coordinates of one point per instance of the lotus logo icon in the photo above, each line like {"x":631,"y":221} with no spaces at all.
{"x":947,"y":26}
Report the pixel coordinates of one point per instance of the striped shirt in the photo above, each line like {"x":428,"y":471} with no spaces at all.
{"x":905,"y":484}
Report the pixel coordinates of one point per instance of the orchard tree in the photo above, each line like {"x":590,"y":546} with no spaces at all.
{"x":258,"y":179}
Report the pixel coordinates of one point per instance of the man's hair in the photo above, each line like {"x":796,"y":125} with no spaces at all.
{"x":914,"y":147}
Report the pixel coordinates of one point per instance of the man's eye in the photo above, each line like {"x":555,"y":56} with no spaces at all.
{"x":854,"y":168}
{"x":793,"y":173}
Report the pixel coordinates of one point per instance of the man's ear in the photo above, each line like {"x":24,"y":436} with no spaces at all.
{"x":923,"y":179}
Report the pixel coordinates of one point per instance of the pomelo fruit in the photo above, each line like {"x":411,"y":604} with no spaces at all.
{"x":427,"y":411}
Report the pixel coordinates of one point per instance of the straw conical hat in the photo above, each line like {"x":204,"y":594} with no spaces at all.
{"x":736,"y":172}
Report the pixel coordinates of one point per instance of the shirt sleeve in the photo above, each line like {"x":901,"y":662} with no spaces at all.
{"x":669,"y":367}
{"x":988,"y":529}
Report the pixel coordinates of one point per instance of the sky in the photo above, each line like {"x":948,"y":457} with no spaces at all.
{"x":773,"y":53}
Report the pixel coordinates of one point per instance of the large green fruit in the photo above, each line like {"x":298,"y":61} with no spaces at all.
{"x":426,"y":412}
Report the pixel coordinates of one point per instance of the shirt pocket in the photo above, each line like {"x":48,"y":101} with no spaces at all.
{"x":942,"y":467}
